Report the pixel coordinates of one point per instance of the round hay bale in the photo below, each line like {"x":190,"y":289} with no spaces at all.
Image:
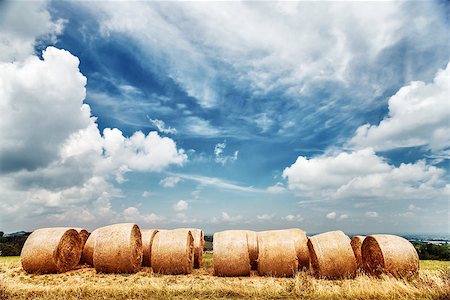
{"x":87,"y":256}
{"x":51,"y":250}
{"x":84,"y":235}
{"x":389,"y":254}
{"x":356,"y":243}
{"x":252,"y":240}
{"x":301,"y":247}
{"x":231,"y":253}
{"x":147,"y":240}
{"x":199,"y":244}
{"x":332,"y":255}
{"x":173,"y":252}
{"x":277,"y":253}
{"x":118,"y":249}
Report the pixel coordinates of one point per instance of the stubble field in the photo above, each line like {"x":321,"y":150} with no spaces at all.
{"x":433,"y":282}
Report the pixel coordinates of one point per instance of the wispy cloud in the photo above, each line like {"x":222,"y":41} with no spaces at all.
{"x":161,"y":126}
{"x":221,"y":158}
{"x":200,"y":127}
{"x":170,"y":181}
{"x":217,"y":182}
{"x":293,"y":218}
{"x":265,"y":217}
{"x":371,"y":214}
{"x":180,"y":206}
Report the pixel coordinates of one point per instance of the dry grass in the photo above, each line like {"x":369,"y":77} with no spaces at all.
{"x":433,"y":283}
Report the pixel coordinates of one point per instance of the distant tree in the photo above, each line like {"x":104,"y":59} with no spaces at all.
{"x":1,"y":233}
{"x":431,"y":251}
{"x":9,"y":250}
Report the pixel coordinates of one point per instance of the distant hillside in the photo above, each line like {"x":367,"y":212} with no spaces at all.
{"x":11,"y":244}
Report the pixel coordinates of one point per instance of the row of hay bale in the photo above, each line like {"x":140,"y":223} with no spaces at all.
{"x":275,"y":252}
{"x":118,"y":248}
{"x":329,"y":255}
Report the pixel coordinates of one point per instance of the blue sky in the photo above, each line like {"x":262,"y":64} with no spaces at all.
{"x":315,"y":115}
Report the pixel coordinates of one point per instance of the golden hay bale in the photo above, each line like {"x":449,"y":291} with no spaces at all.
{"x":147,"y":240}
{"x":356,"y":243}
{"x":173,"y":252}
{"x":51,"y":250}
{"x":84,"y":235}
{"x":277,"y":253}
{"x":252,"y":240}
{"x":230,"y":253}
{"x":118,"y":249}
{"x":199,"y":244}
{"x":87,"y":256}
{"x":390,"y":254}
{"x":301,"y":247}
{"x":332,"y":255}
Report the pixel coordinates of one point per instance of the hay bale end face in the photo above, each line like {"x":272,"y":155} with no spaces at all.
{"x":199,"y":244}
{"x":277,"y":253}
{"x":332,"y":255}
{"x":389,"y":254}
{"x":147,"y":240}
{"x":173,"y":252}
{"x":84,"y":235}
{"x":231,"y":253}
{"x":356,"y":243}
{"x":118,"y":249}
{"x":51,"y":250}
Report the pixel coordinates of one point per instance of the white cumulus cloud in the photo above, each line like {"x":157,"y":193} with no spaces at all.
{"x":132,"y":214}
{"x":293,"y":218}
{"x":180,"y":206}
{"x":265,"y":217}
{"x":227,"y":218}
{"x":220,"y":157}
{"x":324,"y":172}
{"x":371,"y":214}
{"x":170,"y":181}
{"x":418,"y":115}
{"x":23,"y":23}
{"x":54,"y":161}
{"x":343,"y":217}
{"x":38,"y":97}
{"x":332,"y":215}
{"x":277,"y":188}
{"x":363,"y":174}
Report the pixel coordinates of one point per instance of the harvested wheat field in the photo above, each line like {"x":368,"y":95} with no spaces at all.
{"x":433,"y":282}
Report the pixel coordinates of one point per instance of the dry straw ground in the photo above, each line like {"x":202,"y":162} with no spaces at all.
{"x":83,"y":283}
